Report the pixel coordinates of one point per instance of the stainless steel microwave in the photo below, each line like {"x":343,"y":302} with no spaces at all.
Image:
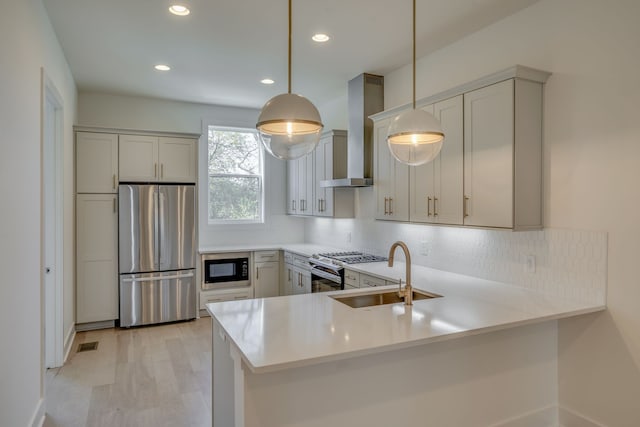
{"x":226,"y":270}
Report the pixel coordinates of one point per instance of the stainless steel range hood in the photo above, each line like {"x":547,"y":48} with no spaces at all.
{"x":365,"y":97}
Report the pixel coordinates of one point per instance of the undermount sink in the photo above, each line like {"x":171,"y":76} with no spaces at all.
{"x":371,"y":299}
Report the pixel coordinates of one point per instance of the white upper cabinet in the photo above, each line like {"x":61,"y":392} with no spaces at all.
{"x":391,"y":178}
{"x":146,"y":158}
{"x":330,"y":162}
{"x":177,"y":159}
{"x":437,"y":187}
{"x":292,"y":187}
{"x":96,"y":163}
{"x":138,"y":158}
{"x":488,"y":151}
{"x":489,"y":172}
{"x":503,"y":155}
{"x":300,"y":186}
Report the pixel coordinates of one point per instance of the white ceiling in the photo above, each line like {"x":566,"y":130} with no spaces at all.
{"x":221,"y":51}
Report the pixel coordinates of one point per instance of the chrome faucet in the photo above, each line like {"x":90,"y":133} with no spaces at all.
{"x":407,"y":293}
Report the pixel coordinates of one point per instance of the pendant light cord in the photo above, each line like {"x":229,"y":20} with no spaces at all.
{"x":414,"y":54}
{"x":289,"y":57}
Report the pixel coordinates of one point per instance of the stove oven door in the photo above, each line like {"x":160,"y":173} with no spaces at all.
{"x":325,"y":281}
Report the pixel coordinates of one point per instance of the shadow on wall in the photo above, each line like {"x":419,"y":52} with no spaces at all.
{"x":584,"y":342}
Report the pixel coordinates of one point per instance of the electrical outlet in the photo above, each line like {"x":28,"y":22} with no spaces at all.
{"x":530,"y":264}
{"x":424,"y":248}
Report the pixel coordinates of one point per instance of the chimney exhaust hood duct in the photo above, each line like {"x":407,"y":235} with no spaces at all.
{"x":365,"y":98}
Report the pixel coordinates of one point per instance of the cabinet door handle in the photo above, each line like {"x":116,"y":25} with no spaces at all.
{"x":115,"y":210}
{"x":435,"y":206}
{"x":385,"y":206}
{"x":324,"y":205}
{"x":293,"y":205}
{"x":114,"y":181}
{"x":161,"y":170}
{"x":319,"y":208}
{"x":428,"y":206}
{"x":257,"y":273}
{"x":289,"y":276}
{"x":465,"y":212}
{"x":390,"y":205}
{"x":155,"y":170}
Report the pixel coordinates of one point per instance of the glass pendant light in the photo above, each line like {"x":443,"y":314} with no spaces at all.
{"x":415,"y":136}
{"x":289,"y":125}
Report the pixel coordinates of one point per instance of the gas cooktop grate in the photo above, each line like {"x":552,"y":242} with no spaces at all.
{"x":353,"y":257}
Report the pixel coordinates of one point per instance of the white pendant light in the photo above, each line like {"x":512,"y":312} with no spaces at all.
{"x":289,"y":125}
{"x":415,"y":136}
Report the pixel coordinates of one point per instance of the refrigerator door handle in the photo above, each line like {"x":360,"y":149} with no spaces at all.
{"x":161,"y":225}
{"x":156,"y":231}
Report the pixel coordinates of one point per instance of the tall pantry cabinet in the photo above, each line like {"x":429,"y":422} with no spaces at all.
{"x":96,"y":227}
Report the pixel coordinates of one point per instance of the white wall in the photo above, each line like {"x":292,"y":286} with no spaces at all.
{"x":28,"y":44}
{"x":591,"y":171}
{"x":129,"y":112}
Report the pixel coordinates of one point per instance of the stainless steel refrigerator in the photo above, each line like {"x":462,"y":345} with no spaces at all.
{"x":157,"y":253}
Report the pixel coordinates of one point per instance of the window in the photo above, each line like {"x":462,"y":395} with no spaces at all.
{"x":235,"y":176}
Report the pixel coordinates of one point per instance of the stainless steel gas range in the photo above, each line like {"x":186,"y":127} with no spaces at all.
{"x":327,"y":269}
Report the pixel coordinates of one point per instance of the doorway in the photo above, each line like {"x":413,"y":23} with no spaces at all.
{"x":52,"y":217}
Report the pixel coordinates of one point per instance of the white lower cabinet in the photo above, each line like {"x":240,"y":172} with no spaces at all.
{"x":351,"y":279}
{"x":371,"y":281}
{"x":97,"y":258}
{"x":297,"y":277}
{"x":301,"y":282}
{"x":207,"y":297}
{"x":296,"y":280}
{"x":266,"y":282}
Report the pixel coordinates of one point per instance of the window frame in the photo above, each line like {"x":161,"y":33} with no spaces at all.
{"x":236,"y":222}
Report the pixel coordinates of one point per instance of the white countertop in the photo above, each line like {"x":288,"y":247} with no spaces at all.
{"x":284,"y":332}
{"x":304,"y":249}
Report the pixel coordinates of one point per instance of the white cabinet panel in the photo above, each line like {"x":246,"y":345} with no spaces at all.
{"x":488,"y":156}
{"x":138,"y":156}
{"x":96,"y":162}
{"x":391,"y":179}
{"x":146,"y":158}
{"x":437,"y":187}
{"x":292,"y":187}
{"x":267,"y":279}
{"x":97,"y":258}
{"x":177,"y":159}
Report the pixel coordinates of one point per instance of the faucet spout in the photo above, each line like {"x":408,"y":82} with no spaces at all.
{"x":407,"y":292}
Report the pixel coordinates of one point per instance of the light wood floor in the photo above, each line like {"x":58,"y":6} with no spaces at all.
{"x":149,"y":376}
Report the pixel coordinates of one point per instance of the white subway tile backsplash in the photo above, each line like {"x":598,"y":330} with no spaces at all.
{"x":568,"y":263}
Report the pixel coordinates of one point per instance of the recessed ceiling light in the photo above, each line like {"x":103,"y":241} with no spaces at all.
{"x":320,"y":38}
{"x":267,"y":81}
{"x":162,"y":67}
{"x":180,"y":10}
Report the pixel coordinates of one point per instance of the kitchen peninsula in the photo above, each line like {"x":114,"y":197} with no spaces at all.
{"x":482,"y":354}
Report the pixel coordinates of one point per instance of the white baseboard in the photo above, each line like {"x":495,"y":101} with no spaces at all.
{"x":544,"y":417}
{"x":92,"y":326}
{"x":68,"y":342}
{"x":569,"y":418}
{"x":37,"y":420}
